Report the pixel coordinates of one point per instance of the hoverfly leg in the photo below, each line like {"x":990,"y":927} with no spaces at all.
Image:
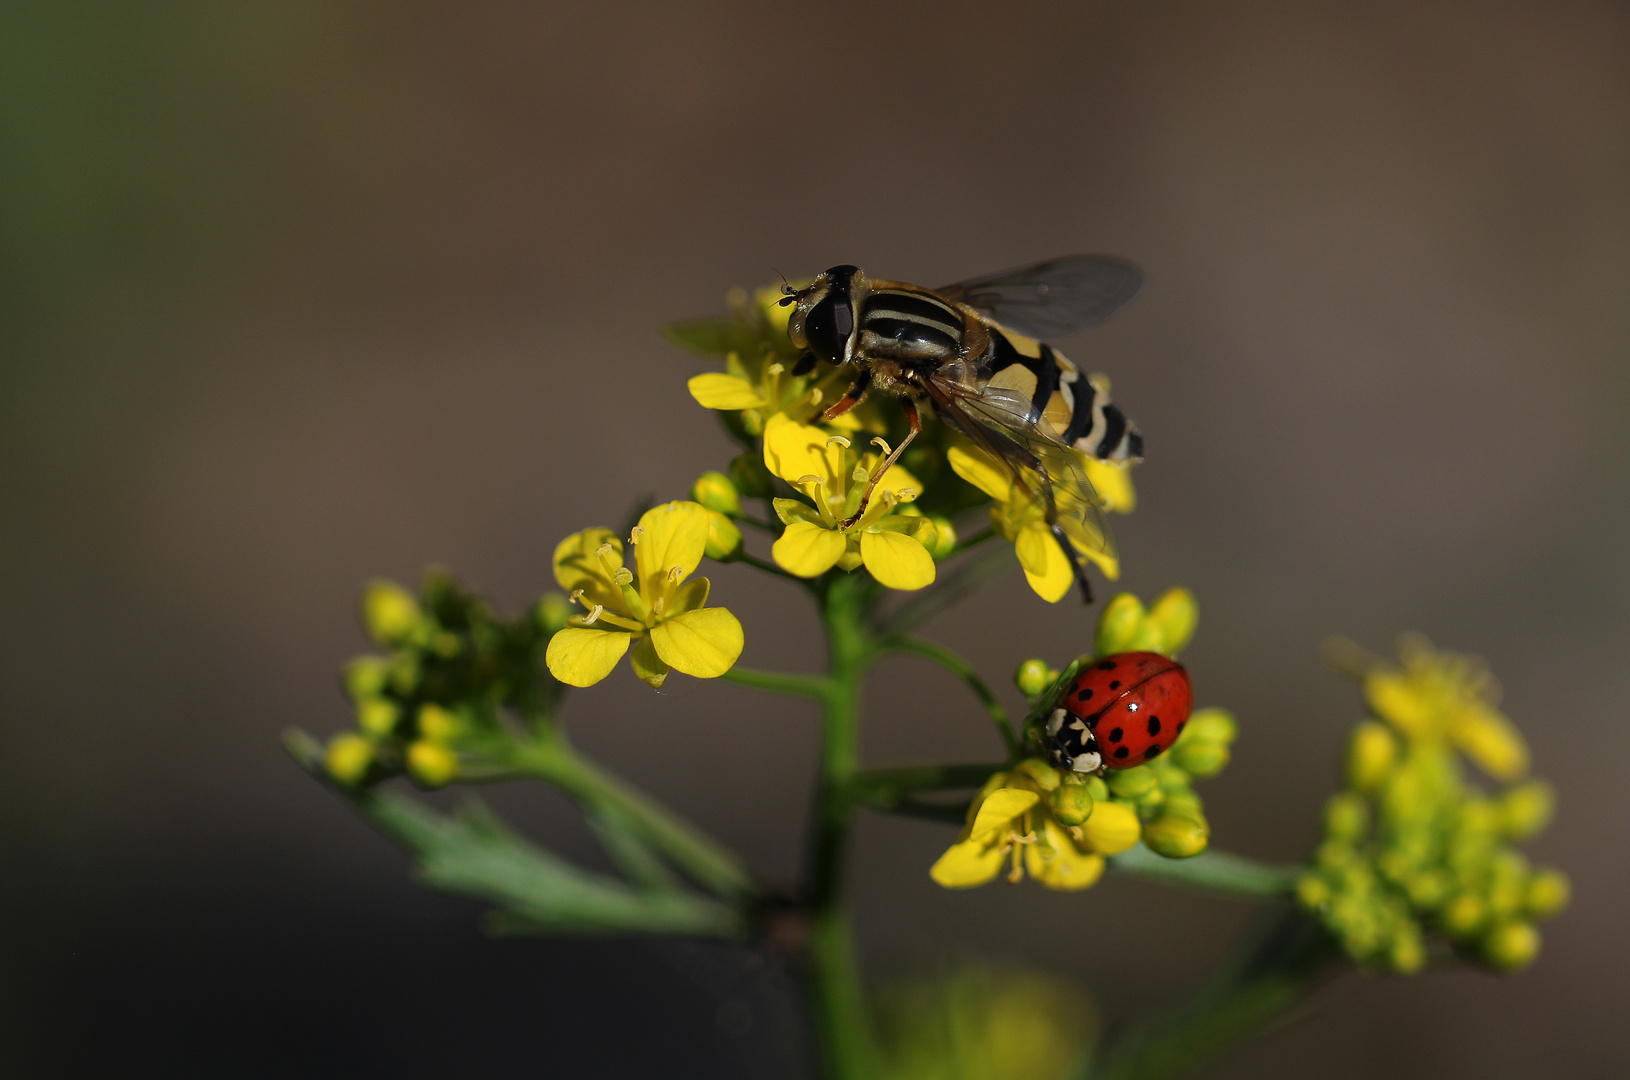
{"x":1076,"y":565}
{"x":851,"y":397}
{"x":805,"y":364}
{"x":916,"y":425}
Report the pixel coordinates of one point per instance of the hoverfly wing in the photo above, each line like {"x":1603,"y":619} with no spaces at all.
{"x":1052,"y":299}
{"x":999,"y":422}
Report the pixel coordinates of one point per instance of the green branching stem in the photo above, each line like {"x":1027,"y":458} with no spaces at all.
{"x":1288,"y":961}
{"x":956,"y":665}
{"x":767,"y":566}
{"x":690,"y":850}
{"x":1215,"y":872}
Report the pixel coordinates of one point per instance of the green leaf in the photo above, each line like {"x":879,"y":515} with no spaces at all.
{"x":473,"y":853}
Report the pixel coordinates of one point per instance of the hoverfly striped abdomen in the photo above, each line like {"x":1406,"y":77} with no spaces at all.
{"x":1077,"y":409}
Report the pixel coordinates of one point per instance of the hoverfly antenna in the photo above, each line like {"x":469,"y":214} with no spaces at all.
{"x":789,"y":294}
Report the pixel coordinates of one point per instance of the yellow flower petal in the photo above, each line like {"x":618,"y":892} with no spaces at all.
{"x":582,"y":657}
{"x":999,"y":809}
{"x":674,"y":534}
{"x":896,"y":560}
{"x":1044,"y":563}
{"x":577,"y":566}
{"x":1112,"y":828}
{"x":716,"y":390}
{"x":793,"y":451}
{"x":1488,"y":738}
{"x":1113,"y":483}
{"x":982,"y":471}
{"x":967,"y":864}
{"x":1057,"y":862}
{"x":896,"y":480}
{"x":808,"y":550}
{"x":704,"y":643}
{"x":688,"y":597}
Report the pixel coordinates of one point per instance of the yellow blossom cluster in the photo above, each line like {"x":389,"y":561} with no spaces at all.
{"x":1411,"y":845}
{"x":1059,"y":826}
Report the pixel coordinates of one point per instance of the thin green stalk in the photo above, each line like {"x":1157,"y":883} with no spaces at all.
{"x":697,"y":854}
{"x":779,"y":682}
{"x":956,"y":665}
{"x":1288,"y":962}
{"x":880,"y":785}
{"x":768,"y":567}
{"x":843,"y":1025}
{"x":1213,"y":871}
{"x":950,"y":589}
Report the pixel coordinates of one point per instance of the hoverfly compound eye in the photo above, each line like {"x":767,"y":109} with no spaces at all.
{"x":829,"y":322}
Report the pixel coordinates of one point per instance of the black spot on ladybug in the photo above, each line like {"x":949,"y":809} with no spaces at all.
{"x":1115,"y":736}
{"x":1151,"y":752}
{"x":1154,"y":725}
{"x":1120,"y":751}
{"x":1084,"y":694}
{"x":1115,"y":684}
{"x":1181,"y":724}
{"x":1107,"y":665}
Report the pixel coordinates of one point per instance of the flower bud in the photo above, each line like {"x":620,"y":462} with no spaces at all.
{"x":1121,"y":619}
{"x":1038,"y":771}
{"x":1312,"y":890}
{"x":1371,"y":751}
{"x":348,"y":758}
{"x":723,"y":537}
{"x":942,"y":541}
{"x":751,"y":478}
{"x":715,"y":491}
{"x":431,"y":764}
{"x":1427,"y":889}
{"x":1183,"y":801}
{"x":1131,"y":783}
{"x":1099,"y":789}
{"x":1174,"y":614}
{"x":1032,"y":677}
{"x":1201,"y":759}
{"x":1072,"y":803}
{"x":390,"y":614}
{"x":1462,"y":915}
{"x":365,"y":677}
{"x":1491,"y":740}
{"x":1112,"y":828}
{"x":438,"y":725}
{"x":1510,"y":946}
{"x":1176,"y":836}
{"x":552,"y":611}
{"x":1406,"y":955}
{"x":1548,"y":893}
{"x":1346,"y":817}
{"x":1526,"y":809}
{"x":1150,"y":801}
{"x":377,"y":716}
{"x":404,"y":673}
{"x":1212,"y":725}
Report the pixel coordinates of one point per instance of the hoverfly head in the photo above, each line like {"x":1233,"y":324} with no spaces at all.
{"x":824,"y":319}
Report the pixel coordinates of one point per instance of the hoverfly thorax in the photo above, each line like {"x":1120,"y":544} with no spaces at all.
{"x":824,"y":319}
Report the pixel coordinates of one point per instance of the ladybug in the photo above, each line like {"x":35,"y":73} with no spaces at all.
{"x":1119,"y":712}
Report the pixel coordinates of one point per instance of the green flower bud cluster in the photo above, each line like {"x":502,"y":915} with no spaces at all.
{"x":1412,"y":847}
{"x":449,"y":670}
{"x":1165,"y":812}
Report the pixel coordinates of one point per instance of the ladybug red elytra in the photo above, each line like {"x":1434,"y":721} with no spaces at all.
{"x":1119,"y":712}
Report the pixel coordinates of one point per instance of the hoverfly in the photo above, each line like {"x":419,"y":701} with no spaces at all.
{"x":964,"y":350}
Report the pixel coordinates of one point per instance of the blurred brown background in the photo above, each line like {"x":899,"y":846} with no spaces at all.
{"x":294,"y":294}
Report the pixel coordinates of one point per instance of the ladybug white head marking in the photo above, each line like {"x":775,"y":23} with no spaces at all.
{"x":1087,"y":763}
{"x":1055,"y":722}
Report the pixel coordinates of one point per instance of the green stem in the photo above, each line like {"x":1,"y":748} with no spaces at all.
{"x":842,"y":1023}
{"x":1287,"y":963}
{"x":780,"y":682}
{"x":950,"y":661}
{"x":693,"y":852}
{"x":1213,"y":871}
{"x":950,"y":589}
{"x":768,"y":567}
{"x":877,"y":786}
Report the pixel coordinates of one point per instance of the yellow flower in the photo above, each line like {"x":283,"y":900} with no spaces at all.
{"x":664,"y":618}
{"x":833,"y":475}
{"x":1023,"y":520}
{"x":1438,"y":696}
{"x":1012,"y":823}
